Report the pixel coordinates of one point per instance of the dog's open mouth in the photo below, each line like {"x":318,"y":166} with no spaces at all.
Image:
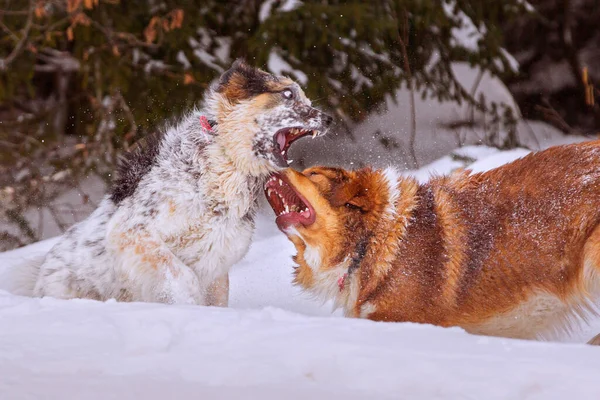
{"x":290,"y":206}
{"x":284,"y":138}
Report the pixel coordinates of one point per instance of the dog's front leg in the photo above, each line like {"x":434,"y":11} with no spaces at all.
{"x":218,"y":292}
{"x":151,"y":271}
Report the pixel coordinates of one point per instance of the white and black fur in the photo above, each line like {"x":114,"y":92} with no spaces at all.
{"x":182,"y":210}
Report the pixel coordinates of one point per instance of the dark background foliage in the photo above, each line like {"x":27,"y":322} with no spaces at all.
{"x":83,"y":80}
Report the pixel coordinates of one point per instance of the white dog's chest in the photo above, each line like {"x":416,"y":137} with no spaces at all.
{"x":213,"y":245}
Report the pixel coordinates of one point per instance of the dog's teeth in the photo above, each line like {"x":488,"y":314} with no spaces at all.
{"x":287,"y":209}
{"x":290,"y":161}
{"x":283,"y":153}
{"x":314,"y":134}
{"x":280,"y":182}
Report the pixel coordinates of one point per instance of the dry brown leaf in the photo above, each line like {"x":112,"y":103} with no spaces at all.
{"x":70,"y":33}
{"x":88,"y":4}
{"x":188,"y":78}
{"x":73,"y":5}
{"x":80,"y":18}
{"x":176,"y":18}
{"x":590,"y":96}
{"x":150,"y":32}
{"x":115,"y":50}
{"x":40,"y":10}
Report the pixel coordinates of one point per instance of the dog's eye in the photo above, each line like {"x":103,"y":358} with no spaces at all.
{"x":352,"y":206}
{"x":288,"y":94}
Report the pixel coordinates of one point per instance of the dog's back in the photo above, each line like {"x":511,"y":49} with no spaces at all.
{"x":519,"y":246}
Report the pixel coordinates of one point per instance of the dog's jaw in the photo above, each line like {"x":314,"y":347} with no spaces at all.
{"x":243,"y":141}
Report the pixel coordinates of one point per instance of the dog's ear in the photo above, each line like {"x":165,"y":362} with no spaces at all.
{"x":243,"y":81}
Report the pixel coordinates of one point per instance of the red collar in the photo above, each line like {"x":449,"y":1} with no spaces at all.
{"x":342,"y":281}
{"x":205,"y":123}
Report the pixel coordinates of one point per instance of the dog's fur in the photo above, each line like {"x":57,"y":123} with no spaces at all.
{"x":511,"y":252}
{"x":182,"y":210}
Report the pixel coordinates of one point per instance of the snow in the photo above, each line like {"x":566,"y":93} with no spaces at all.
{"x":278,"y":66}
{"x":512,"y":62}
{"x":527,"y":5}
{"x":212,"y":51}
{"x":466,"y":34}
{"x":91,"y":350}
{"x":549,"y":74}
{"x":273,"y":342}
{"x":266,"y":8}
{"x":183,"y":60}
{"x":497,"y":160}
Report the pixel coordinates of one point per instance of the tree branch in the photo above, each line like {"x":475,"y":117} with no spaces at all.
{"x":403,"y":40}
{"x":4,"y":63}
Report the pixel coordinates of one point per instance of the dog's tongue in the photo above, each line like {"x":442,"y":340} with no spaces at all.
{"x":281,"y":141}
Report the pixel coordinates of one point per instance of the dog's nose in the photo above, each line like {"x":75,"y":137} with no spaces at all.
{"x":327,"y":119}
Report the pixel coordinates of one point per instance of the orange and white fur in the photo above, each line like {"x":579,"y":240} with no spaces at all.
{"x":511,"y":252}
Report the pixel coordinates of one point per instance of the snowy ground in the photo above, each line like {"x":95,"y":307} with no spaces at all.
{"x":273,"y":343}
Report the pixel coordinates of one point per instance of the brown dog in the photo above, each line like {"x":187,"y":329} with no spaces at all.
{"x":512,"y":252}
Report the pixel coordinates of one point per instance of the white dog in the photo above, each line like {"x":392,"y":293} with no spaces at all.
{"x":182,"y":210}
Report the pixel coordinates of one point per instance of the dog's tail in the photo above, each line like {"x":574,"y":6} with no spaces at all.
{"x":19,"y":269}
